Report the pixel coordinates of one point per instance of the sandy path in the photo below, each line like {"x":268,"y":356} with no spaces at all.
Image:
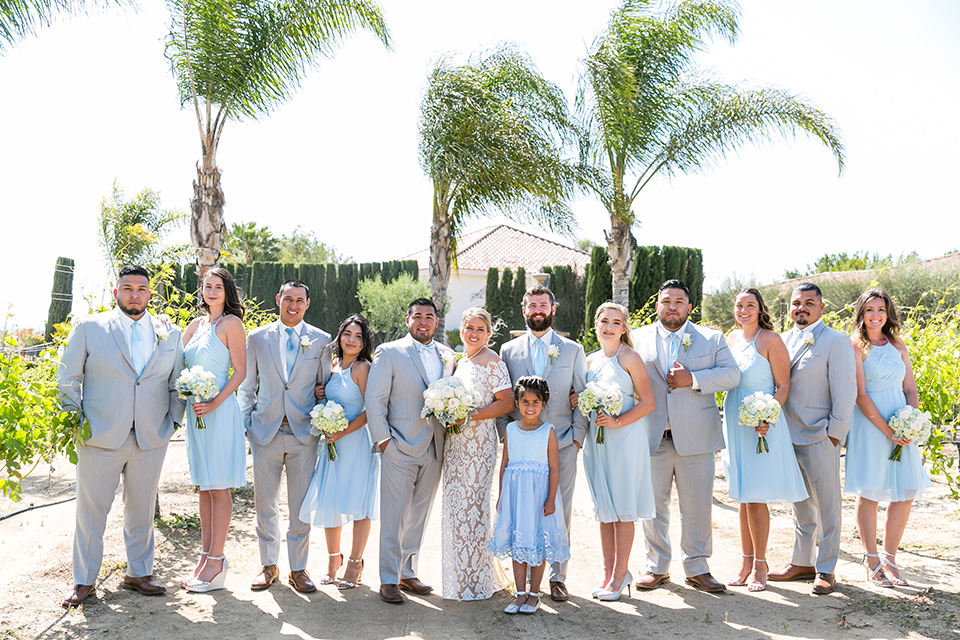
{"x":36,"y":551}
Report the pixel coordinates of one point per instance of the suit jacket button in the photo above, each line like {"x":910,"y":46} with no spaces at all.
{"x":138,"y":383}
{"x":285,"y":388}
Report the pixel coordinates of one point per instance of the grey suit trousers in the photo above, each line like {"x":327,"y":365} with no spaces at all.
{"x":98,"y":475}
{"x":694,"y":477}
{"x":567,"y":482}
{"x":408,"y":485}
{"x":285,"y":450}
{"x":818,"y":515}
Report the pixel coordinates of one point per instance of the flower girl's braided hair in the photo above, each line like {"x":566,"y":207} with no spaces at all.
{"x":535,"y":385}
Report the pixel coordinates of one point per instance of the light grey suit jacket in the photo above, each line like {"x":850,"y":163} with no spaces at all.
{"x":264,"y":396}
{"x":694,"y":415}
{"x":823,"y":386}
{"x":567,"y":371}
{"x":96,"y":374}
{"x":394,"y":397}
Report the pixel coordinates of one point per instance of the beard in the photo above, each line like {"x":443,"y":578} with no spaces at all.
{"x":132,"y":312}
{"x":801,"y":319}
{"x":539,"y":322}
{"x":673,"y":323}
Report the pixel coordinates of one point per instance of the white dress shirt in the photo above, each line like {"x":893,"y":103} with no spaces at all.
{"x":148,"y":336}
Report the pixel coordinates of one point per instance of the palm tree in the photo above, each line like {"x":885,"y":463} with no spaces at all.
{"x":492,"y":133}
{"x":250,"y":242}
{"x":236,"y":59}
{"x":645,"y":110}
{"x":20,"y":18}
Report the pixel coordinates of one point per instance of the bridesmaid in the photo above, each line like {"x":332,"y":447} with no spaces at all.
{"x":756,"y":479}
{"x":345,"y":490}
{"x":618,"y":471}
{"x":885,"y":384}
{"x":469,"y":462}
{"x":216,"y":454}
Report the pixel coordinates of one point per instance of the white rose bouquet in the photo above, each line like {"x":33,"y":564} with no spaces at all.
{"x":196,"y":382}
{"x":327,"y":419}
{"x":756,"y":409}
{"x":909,"y":424}
{"x":601,"y":397}
{"x":451,"y":402}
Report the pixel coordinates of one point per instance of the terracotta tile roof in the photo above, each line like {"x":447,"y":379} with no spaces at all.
{"x":501,"y":246}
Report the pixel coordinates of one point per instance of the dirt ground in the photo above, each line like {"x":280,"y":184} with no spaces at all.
{"x":36,"y":570}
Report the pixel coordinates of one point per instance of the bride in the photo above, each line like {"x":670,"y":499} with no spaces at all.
{"x":469,"y":460}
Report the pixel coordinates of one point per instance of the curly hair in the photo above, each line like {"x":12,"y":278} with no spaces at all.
{"x":232,"y":305}
{"x":535,"y":385}
{"x":763,"y":318}
{"x":891,"y":328}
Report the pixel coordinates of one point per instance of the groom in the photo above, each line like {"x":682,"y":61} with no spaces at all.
{"x":562,"y":363}
{"x":411,"y":447}
{"x":823,"y":390}
{"x":119,"y":369}
{"x":687,"y":364}
{"x":284,"y":365}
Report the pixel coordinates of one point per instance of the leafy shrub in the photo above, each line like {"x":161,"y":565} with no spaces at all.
{"x":385,"y":305}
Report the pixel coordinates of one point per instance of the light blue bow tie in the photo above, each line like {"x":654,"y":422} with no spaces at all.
{"x":432,"y":347}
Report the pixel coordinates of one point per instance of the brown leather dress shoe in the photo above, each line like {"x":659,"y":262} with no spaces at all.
{"x":791,"y":573}
{"x":80,"y":593}
{"x":413,"y":585}
{"x":823,"y":584}
{"x":300,"y":580}
{"x":267,"y":576}
{"x":145,"y":585}
{"x":652,"y":580}
{"x":558,"y":592}
{"x":706,"y":582}
{"x":391,"y":593}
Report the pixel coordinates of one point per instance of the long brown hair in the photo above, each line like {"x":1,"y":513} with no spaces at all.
{"x":232,"y":304}
{"x":891,"y":328}
{"x":763,"y":318}
{"x":366,"y":351}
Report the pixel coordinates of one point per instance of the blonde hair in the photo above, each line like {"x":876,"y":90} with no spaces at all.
{"x":477,"y":312}
{"x":610,"y":304}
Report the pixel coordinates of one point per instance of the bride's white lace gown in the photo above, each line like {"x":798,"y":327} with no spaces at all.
{"x":470,"y":571}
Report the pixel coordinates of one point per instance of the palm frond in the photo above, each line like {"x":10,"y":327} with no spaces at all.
{"x":20,"y":18}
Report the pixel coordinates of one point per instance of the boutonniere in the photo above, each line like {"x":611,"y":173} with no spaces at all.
{"x":553,"y":352}
{"x":306,"y":343}
{"x":448,"y":357}
{"x":686,"y":341}
{"x":162,"y":333}
{"x":808,"y":339}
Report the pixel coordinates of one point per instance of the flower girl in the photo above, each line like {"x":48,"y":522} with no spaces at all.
{"x":529,"y":527}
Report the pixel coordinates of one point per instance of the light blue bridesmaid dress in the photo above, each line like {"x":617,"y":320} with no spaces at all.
{"x":618,"y":471}
{"x":869,"y":472}
{"x":345,"y":489}
{"x":757,"y":477}
{"x":216,"y":454}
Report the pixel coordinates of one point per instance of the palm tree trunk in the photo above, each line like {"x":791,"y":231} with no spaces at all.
{"x":206,"y":220}
{"x":441,"y":237}
{"x":621,"y":246}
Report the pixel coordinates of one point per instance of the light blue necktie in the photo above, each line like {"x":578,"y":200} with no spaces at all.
{"x":674,"y":350}
{"x":797,"y":345}
{"x":136,"y":347}
{"x":539,"y":357}
{"x":291,"y":352}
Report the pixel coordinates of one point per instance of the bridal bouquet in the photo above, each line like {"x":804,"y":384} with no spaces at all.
{"x":327,"y":419}
{"x":451,"y":402}
{"x":197,"y":382}
{"x":601,"y":397}
{"x":909,"y":424}
{"x":756,"y":409}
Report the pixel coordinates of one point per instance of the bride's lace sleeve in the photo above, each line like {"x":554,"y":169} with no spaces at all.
{"x":499,"y":377}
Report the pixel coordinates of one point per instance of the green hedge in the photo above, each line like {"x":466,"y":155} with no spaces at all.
{"x":655,"y":265}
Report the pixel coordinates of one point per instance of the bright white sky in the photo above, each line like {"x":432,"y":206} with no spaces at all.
{"x":91,"y":100}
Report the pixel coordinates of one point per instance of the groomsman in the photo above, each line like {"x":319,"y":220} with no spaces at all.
{"x":119,"y":369}
{"x":411,"y":447}
{"x":823,"y":390}
{"x":687,"y":364}
{"x":542,"y":352}
{"x":284,"y":365}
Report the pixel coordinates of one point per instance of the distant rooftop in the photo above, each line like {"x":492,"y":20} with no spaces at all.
{"x":501,"y":246}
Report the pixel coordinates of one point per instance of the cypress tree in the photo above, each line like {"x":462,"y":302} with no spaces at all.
{"x":599,"y":285}
{"x":515,"y":302}
{"x":61,"y":296}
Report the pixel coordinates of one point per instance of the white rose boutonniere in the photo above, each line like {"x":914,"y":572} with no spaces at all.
{"x":686,"y":341}
{"x":449,"y":360}
{"x":306,"y":343}
{"x":553,"y":352}
{"x":162,"y":333}
{"x":808,"y":340}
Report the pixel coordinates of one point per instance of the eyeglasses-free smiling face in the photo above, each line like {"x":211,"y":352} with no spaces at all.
{"x":806,"y":307}
{"x":422,"y":323}
{"x":538,"y":312}
{"x":746,"y":310}
{"x":610,"y":325}
{"x":293,"y":303}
